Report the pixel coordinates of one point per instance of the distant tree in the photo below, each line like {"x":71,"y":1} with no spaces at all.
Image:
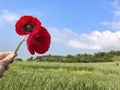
{"x":18,"y":59}
{"x":97,"y":57}
{"x":78,"y":55}
{"x":99,"y":54}
{"x":114,"y":53}
{"x":30,"y":59}
{"x":38,"y":58}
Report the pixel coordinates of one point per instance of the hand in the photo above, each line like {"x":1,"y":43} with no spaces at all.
{"x":5,"y":59}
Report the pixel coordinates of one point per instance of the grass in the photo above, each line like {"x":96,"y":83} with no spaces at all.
{"x":61,"y":76}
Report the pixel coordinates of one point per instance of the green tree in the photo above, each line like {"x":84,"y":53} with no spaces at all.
{"x":18,"y":59}
{"x":30,"y":59}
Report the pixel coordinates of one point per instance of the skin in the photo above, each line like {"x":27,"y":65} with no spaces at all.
{"x":5,"y":59}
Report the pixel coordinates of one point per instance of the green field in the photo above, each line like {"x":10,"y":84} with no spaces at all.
{"x":28,"y":75}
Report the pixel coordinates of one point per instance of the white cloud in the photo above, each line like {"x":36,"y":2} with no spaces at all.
{"x":96,"y":40}
{"x":115,"y":23}
{"x":116,"y":5}
{"x":8,"y":16}
{"x":62,"y":35}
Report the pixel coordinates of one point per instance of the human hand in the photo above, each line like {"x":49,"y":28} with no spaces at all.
{"x":5,"y":59}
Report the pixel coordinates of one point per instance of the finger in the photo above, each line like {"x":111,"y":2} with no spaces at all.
{"x":3,"y":55}
{"x":3,"y":63}
{"x":10,"y":58}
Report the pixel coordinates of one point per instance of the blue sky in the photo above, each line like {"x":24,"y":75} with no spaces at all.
{"x":76,"y":26}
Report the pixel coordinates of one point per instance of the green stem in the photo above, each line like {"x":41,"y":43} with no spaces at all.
{"x":16,"y":50}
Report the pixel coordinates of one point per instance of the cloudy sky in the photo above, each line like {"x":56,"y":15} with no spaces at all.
{"x":76,"y":26}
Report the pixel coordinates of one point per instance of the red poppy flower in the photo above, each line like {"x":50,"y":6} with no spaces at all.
{"x":27,"y":24}
{"x":38,"y":41}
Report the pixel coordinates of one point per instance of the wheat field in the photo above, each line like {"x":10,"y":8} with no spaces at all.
{"x":29,"y":75}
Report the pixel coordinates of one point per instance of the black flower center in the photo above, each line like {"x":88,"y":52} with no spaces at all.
{"x":38,"y":39}
{"x":28,"y":27}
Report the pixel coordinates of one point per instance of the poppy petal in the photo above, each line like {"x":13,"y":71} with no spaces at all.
{"x":31,"y":49}
{"x":39,"y":41}
{"x":26,"y":20}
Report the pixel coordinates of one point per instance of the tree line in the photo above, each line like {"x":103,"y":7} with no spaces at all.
{"x":96,"y":57}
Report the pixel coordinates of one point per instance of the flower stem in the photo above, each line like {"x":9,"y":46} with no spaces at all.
{"x":19,"y":45}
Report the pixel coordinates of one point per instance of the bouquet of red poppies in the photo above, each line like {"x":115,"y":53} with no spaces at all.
{"x":38,"y":38}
